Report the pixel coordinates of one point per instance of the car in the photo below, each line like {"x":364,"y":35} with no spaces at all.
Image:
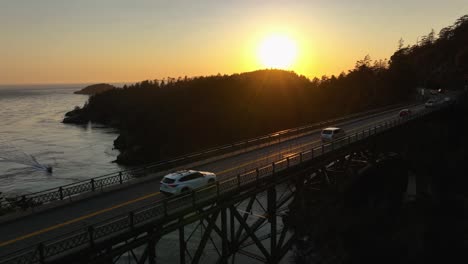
{"x":430,"y":103}
{"x":405,"y":112}
{"x":332,"y":133}
{"x":185,"y":181}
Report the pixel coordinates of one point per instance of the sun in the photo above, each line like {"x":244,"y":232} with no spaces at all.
{"x":277,"y":51}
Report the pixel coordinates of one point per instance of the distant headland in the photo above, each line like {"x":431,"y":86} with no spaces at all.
{"x":95,"y":89}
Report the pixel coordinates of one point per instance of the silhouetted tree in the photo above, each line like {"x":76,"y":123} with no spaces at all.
{"x":364,"y":63}
{"x":401,"y":43}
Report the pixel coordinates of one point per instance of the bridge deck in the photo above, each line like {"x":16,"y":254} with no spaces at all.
{"x":31,"y":230}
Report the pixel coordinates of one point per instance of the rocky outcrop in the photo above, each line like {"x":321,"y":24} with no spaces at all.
{"x":75,"y":120}
{"x":131,"y":156}
{"x":131,"y":152}
{"x":76,"y":116}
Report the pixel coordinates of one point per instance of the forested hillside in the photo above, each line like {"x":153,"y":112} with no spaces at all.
{"x":163,"y":118}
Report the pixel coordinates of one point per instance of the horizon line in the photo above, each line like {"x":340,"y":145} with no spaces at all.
{"x":163,"y":78}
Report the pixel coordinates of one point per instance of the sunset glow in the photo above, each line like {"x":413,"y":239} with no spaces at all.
{"x":86,"y":42}
{"x":277,"y":51}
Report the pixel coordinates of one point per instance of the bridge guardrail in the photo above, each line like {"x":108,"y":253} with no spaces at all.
{"x":172,"y":206}
{"x":64,"y":192}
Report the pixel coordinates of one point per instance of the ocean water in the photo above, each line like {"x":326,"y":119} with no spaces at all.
{"x":32,"y":138}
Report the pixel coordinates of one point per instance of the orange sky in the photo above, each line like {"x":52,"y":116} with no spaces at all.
{"x":87,"y":41}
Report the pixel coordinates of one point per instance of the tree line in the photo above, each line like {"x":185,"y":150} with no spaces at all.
{"x":159,"y":119}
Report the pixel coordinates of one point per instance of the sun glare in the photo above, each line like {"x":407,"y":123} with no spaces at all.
{"x":277,"y":52}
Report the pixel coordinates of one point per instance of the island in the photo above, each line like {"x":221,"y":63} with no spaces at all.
{"x":95,"y":89}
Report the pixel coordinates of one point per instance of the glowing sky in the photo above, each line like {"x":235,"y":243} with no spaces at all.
{"x":85,"y":41}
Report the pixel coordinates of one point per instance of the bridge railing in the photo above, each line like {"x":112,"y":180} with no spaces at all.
{"x":173,"y":206}
{"x":99,"y":183}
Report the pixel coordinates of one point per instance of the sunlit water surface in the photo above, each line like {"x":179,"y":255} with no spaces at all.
{"x":32,"y":138}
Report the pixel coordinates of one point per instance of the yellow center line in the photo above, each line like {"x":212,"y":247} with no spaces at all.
{"x":2,"y":244}
{"x":260,"y":159}
{"x":287,"y":150}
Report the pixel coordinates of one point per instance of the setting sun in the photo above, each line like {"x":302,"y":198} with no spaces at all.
{"x":277,"y":52}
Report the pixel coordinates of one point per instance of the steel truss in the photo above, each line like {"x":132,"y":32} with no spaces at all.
{"x":252,"y":226}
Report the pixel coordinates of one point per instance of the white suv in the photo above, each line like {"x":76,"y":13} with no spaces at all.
{"x":332,"y":133}
{"x":184,"y":181}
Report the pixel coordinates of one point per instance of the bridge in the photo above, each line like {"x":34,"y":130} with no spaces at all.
{"x":121,"y":218}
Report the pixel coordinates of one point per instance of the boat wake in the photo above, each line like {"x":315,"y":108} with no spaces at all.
{"x":14,"y":155}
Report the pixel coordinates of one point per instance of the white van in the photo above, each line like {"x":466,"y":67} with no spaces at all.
{"x":332,"y":133}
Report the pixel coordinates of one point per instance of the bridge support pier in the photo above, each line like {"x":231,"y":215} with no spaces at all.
{"x":224,"y":237}
{"x":271,"y":193}
{"x":152,"y":251}
{"x":181,"y":243}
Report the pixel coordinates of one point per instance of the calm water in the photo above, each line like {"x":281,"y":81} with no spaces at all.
{"x":32,"y":137}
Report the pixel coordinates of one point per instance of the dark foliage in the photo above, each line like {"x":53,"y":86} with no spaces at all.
{"x":434,"y":62}
{"x":163,"y":118}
